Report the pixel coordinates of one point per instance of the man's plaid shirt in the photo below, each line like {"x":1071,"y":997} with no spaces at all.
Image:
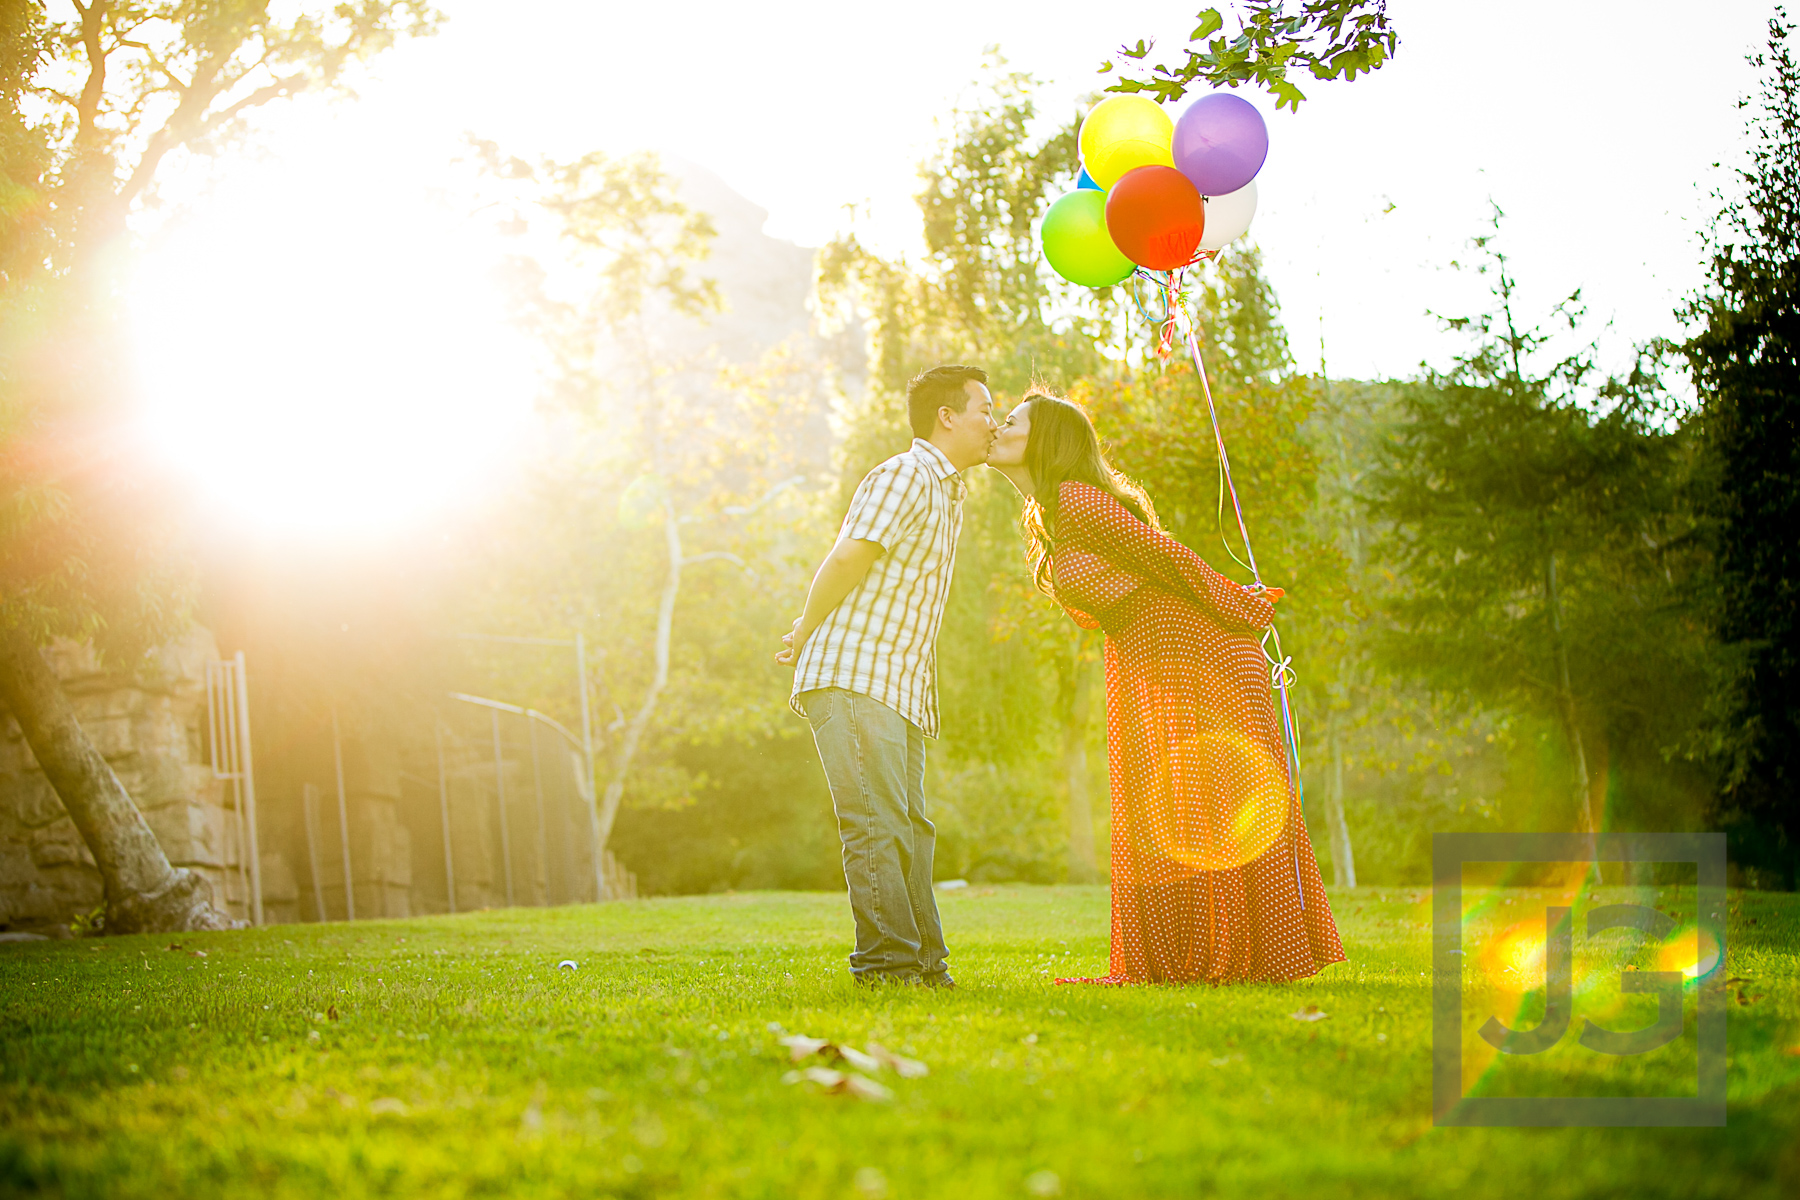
{"x":882,"y":640}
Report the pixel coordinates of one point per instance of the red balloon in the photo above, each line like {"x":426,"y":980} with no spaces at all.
{"x":1155,"y":217}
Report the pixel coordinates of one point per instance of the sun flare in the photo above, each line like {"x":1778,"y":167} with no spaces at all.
{"x":324,"y":365}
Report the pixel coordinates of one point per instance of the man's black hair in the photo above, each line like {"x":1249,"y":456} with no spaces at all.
{"x":940,"y":387}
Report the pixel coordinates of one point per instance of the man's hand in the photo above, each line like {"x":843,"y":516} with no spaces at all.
{"x":841,"y":571}
{"x":791,"y":642}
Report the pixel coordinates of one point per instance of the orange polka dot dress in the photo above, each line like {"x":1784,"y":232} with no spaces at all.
{"x":1213,"y":874}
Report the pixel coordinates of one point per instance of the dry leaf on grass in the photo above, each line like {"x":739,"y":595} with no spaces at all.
{"x":1309,"y":1013}
{"x":840,"y":1083}
{"x":800,"y":1046}
{"x":857,"y":1059}
{"x":905,"y":1068}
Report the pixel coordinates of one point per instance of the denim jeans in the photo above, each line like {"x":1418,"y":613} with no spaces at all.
{"x":874,"y":760}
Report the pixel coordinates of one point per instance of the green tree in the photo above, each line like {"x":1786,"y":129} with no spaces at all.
{"x":671,"y":465}
{"x":1330,"y":39}
{"x":1157,"y":429}
{"x":85,"y":530}
{"x":1017,"y":732}
{"x":1020,"y":730}
{"x":1542,"y":548}
{"x":1746,"y":368}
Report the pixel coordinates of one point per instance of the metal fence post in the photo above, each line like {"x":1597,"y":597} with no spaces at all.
{"x":337,"y":755}
{"x":247,"y":794}
{"x":444,"y":813}
{"x":537,"y":787}
{"x":500,"y":803}
{"x":309,"y":817}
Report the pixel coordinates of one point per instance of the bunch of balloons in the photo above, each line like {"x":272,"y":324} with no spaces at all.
{"x":1154,"y":192}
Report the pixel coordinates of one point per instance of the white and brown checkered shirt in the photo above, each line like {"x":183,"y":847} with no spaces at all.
{"x":881,"y":641}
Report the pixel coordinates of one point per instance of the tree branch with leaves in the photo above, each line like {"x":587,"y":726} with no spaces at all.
{"x":1328,"y":39}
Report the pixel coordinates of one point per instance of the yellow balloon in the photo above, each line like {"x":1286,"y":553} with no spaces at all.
{"x":1122,"y":133}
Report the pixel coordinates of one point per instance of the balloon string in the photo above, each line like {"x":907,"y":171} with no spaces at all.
{"x":1281,"y":671}
{"x":1193,"y":345}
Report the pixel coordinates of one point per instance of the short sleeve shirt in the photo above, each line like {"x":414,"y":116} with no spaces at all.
{"x":881,"y":641}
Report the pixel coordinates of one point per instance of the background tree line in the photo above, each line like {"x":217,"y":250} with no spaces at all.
{"x":1524,"y":593}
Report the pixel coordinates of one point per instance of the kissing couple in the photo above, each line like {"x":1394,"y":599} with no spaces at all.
{"x":1213,"y":874}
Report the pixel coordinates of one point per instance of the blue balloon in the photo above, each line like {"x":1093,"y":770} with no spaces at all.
{"x":1086,"y":183}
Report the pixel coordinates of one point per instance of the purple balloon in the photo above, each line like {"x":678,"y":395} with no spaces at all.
{"x":1220,"y":143}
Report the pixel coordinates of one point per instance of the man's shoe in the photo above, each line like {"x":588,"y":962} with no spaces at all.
{"x":940,"y":980}
{"x":875,"y":979}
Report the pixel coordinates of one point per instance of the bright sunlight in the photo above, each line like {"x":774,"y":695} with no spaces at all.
{"x":320,"y":358}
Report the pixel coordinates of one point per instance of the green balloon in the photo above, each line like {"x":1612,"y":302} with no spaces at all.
{"x":1077,"y":245}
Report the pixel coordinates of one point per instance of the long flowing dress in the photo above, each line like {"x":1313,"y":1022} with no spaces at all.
{"x":1213,"y":874}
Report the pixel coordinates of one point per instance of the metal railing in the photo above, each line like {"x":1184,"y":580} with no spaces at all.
{"x":228,"y":742}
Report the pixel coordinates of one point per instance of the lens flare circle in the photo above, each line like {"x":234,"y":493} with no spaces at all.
{"x":1514,"y":961}
{"x":1225,"y":803}
{"x":1691,"y":949}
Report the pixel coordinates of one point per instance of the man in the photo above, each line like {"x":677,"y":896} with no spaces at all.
{"x":864,"y":652}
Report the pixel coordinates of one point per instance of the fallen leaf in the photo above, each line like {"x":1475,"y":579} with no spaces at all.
{"x":864,"y":1088}
{"x":857,"y":1059}
{"x":800,"y":1046}
{"x":1309,"y":1013}
{"x":905,"y":1068}
{"x":331,"y":1012}
{"x":173,"y":946}
{"x":198,"y":953}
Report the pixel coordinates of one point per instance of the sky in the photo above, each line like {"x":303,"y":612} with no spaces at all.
{"x":1598,"y":126}
{"x":1594,"y":124}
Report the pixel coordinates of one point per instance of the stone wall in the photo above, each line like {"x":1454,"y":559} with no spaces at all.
{"x":150,"y":726}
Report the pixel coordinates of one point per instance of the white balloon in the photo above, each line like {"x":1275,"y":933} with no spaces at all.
{"x":1228,"y":216}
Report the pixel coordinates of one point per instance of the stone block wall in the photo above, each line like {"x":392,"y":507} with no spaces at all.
{"x":150,"y":726}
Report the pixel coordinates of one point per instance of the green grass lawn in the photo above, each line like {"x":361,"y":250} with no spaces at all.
{"x":450,"y":1056}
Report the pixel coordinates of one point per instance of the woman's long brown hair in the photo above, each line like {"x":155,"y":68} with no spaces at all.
{"x":1062,"y":445}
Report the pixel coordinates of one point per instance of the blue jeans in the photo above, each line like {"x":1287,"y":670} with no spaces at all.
{"x":874,"y":760}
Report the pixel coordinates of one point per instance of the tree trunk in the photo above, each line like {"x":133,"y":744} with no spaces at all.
{"x":1079,"y":703}
{"x":634,"y":732}
{"x":1565,"y":703}
{"x":1343,"y":862}
{"x":144,"y":894}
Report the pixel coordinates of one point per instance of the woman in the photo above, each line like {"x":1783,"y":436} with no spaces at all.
{"x":1213,"y":875}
